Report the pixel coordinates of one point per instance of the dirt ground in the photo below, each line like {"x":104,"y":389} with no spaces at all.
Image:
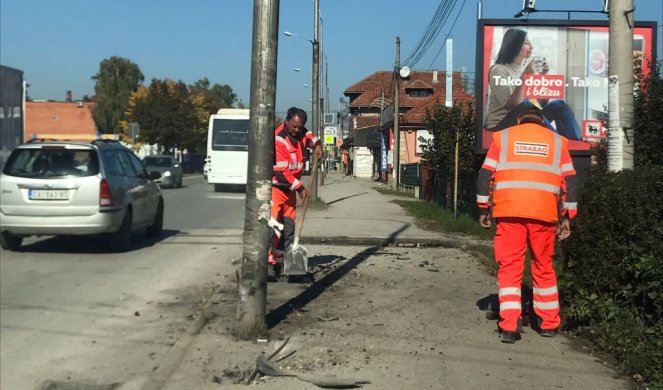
{"x":397,"y":317}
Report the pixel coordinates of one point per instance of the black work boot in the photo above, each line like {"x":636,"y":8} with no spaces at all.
{"x":548,"y":332}
{"x":274,"y":272}
{"x":509,"y":337}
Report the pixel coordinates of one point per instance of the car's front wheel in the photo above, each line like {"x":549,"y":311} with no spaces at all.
{"x":10,"y":242}
{"x":156,"y":228}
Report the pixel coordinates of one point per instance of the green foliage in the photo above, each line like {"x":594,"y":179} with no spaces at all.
{"x":433,"y":217}
{"x":169,"y":115}
{"x":611,"y":268}
{"x":116,"y":80}
{"x":443,"y":122}
{"x":648,"y":120}
{"x":215,"y":96}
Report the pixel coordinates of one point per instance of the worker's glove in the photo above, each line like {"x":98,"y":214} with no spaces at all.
{"x":276,"y":225}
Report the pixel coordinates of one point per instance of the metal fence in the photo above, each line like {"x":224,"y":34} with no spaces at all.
{"x":437,"y":187}
{"x":410,"y":174}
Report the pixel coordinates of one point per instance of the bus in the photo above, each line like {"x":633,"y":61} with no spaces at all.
{"x":227,"y":148}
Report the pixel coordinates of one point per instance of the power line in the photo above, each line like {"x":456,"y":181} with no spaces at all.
{"x":447,"y":36}
{"x":432,"y":31}
{"x":433,"y":36}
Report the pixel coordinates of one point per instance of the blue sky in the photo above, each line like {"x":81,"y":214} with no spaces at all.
{"x":59,"y":44}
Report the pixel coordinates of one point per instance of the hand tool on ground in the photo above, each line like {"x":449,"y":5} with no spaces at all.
{"x":295,"y":262}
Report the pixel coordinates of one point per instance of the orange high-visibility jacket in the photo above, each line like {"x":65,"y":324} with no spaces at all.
{"x":528,"y":168}
{"x":289,"y":154}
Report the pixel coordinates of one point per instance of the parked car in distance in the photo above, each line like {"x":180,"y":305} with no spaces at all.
{"x":77,"y":188}
{"x":169,"y":168}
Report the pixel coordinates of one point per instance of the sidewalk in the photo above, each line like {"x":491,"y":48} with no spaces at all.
{"x":401,"y":316}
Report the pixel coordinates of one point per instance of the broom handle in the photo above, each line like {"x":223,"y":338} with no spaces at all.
{"x":311,"y":180}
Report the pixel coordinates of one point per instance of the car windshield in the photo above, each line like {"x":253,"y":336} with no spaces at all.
{"x":157,"y":162}
{"x":52,"y":162}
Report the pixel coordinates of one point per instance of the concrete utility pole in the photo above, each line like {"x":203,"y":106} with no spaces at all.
{"x":397,"y":100}
{"x":620,"y":87}
{"x":252,"y":283}
{"x":315,"y":83}
{"x":323,"y":82}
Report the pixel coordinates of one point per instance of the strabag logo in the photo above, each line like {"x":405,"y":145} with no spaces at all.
{"x":531,"y":149}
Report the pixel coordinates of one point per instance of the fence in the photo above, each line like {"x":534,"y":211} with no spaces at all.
{"x":435,"y":186}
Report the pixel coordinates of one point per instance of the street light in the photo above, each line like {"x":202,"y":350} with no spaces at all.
{"x":291,"y":34}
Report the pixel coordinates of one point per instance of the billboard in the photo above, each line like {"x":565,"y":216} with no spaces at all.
{"x":560,"y":66}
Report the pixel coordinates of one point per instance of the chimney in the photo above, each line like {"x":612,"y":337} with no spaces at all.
{"x":435,"y":77}
{"x":67,"y":97}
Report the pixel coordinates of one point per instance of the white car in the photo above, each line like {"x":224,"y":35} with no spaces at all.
{"x":77,"y":188}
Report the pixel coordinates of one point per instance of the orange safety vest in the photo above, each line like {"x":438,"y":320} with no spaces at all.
{"x":528,"y":173}
{"x":289,"y":154}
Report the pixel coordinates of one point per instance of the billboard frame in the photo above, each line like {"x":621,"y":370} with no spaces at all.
{"x":479,"y":60}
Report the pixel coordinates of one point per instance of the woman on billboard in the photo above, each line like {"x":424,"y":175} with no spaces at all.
{"x":506,"y":79}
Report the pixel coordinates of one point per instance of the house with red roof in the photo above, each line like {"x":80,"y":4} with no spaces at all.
{"x":371,"y":104}
{"x":60,"y":120}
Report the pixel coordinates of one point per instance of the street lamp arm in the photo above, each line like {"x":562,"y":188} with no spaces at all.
{"x":291,"y":34}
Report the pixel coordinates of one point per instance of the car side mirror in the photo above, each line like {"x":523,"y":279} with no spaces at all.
{"x":154,"y":175}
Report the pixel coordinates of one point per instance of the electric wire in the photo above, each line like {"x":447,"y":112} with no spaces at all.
{"x":434,"y":33}
{"x":442,"y":13}
{"x":448,"y":35}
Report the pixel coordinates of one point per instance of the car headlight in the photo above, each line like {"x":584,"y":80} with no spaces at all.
{"x":166,"y":174}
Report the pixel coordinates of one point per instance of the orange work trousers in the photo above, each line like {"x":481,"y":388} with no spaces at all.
{"x":511,"y":240}
{"x":284,"y":205}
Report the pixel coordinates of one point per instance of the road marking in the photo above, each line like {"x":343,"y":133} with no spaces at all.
{"x":215,"y":196}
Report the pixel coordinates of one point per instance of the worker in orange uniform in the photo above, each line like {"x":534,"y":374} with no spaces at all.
{"x":291,"y":140}
{"x":528,"y":169}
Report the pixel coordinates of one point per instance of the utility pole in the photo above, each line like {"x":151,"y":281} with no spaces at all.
{"x":397,"y":98}
{"x":315,"y":83}
{"x":323,"y":96}
{"x":620,"y":86}
{"x":252,"y":283}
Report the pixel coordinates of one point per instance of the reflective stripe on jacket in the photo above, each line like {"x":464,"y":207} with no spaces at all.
{"x":528,"y":168}
{"x":289,"y":158}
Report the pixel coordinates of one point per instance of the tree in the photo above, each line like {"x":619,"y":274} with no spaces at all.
{"x":215,"y":97}
{"x":442,"y":122}
{"x":648,"y":117}
{"x":117,"y":78}
{"x":169,"y":115}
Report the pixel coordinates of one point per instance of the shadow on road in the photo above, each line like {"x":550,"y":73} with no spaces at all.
{"x":491,"y":305}
{"x":84,"y":244}
{"x":307,"y":296}
{"x":346,"y":197}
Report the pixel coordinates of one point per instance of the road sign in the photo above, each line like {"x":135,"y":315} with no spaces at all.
{"x":329,"y":139}
{"x":339,"y":142}
{"x":330,"y":130}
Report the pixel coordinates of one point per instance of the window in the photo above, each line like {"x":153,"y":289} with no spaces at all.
{"x":423,"y":138}
{"x":136,"y":164}
{"x":127,"y":166}
{"x":163,"y":162}
{"x":52,"y":162}
{"x":420,"y":92}
{"x":112,"y":164}
{"x":230,"y":134}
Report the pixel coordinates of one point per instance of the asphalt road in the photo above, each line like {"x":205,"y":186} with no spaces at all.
{"x":72,"y":314}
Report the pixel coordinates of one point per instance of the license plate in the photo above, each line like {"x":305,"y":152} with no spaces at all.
{"x":48,"y":194}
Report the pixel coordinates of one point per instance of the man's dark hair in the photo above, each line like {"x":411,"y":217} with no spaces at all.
{"x":294,"y":111}
{"x":511,"y":44}
{"x":532,"y":115}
